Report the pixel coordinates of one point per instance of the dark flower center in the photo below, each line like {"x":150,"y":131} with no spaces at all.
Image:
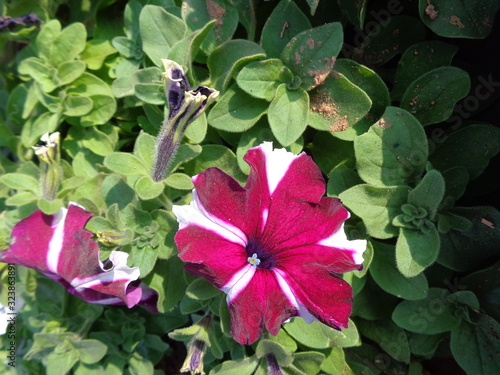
{"x":259,"y":256}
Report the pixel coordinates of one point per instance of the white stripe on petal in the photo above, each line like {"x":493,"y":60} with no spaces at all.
{"x":238,"y":282}
{"x":56,"y":242}
{"x":287,"y":291}
{"x":196,"y":214}
{"x":339,"y":240}
{"x":277,"y":163}
{"x":118,"y":272}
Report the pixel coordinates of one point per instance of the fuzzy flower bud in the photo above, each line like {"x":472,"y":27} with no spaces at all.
{"x":49,"y":155}
{"x":185,"y":105}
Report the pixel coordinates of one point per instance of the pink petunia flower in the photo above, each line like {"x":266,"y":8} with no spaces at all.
{"x":59,"y":247}
{"x":274,"y":246}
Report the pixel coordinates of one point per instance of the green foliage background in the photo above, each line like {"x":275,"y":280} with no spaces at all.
{"x":382,"y":94}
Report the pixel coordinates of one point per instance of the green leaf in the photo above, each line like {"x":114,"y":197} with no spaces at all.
{"x":416,"y":250}
{"x":376,"y":89}
{"x":200,"y":289}
{"x":245,"y":366}
{"x":215,"y":156}
{"x":320,"y":336}
{"x":424,"y":345}
{"x":431,"y":315}
{"x":266,"y":347}
{"x":57,"y":46}
{"x":429,"y":193}
{"x":226,"y":60}
{"x":419,"y":59}
{"x":197,"y":130}
{"x":475,"y":346}
{"x":385,"y":273}
{"x":394,"y":150}
{"x":90,"y":85}
{"x":389,"y":336}
{"x":470,"y":147}
{"x":391,"y":37}
{"x":49,"y":32}
{"x":151,"y":93}
{"x":197,"y":13}
{"x":432,"y":96}
{"x":102,"y":111}
{"x":311,"y":54}
{"x":236,"y":111}
{"x":75,"y":105}
{"x":288,"y":114}
{"x":261,"y":78}
{"x":96,"y":52}
{"x":353,"y":10}
{"x":179,"y":181}
{"x":486,"y":286}
{"x":372,"y":302}
{"x":184,"y":51}
{"x":328,"y":160}
{"x":126,"y":164}
{"x":308,"y":362}
{"x":146,"y":188}
{"x":377,"y":206}
{"x":459,"y":248}
{"x":334,"y":362}
{"x":458,"y":19}
{"x":35,"y":127}
{"x":21,"y":181}
{"x":254,"y":137}
{"x":168,"y":280}
{"x":69,"y":71}
{"x":21,"y":198}
{"x":90,"y":351}
{"x":45,"y":75}
{"x":50,"y":207}
{"x":286,"y":21}
{"x":337,"y":105}
{"x":160,"y":30}
{"x":340,"y":179}
{"x":131,"y":49}
{"x":144,"y":257}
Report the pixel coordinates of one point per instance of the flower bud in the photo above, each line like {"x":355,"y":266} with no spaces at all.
{"x":185,"y":105}
{"x":49,"y":155}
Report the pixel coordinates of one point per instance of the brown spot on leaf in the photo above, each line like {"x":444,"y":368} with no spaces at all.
{"x":320,"y":75}
{"x":285,"y":26}
{"x":455,"y":21}
{"x":431,"y":11}
{"x":323,"y":104}
{"x":488,"y":223}
{"x":382,"y":123}
{"x":310,"y":43}
{"x":297,"y":58}
{"x":216,"y":12}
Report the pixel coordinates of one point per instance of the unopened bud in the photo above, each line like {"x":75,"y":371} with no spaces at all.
{"x":49,"y":155}
{"x":185,"y":105}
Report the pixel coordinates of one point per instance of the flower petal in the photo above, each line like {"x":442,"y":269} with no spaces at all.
{"x":285,"y":174}
{"x":293,"y":223}
{"x":241,"y":207}
{"x":325,"y":295}
{"x":209,"y":255}
{"x":261,"y":304}
{"x":59,"y":246}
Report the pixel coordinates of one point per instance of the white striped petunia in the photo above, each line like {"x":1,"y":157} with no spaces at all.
{"x":274,"y":246}
{"x":59,"y":247}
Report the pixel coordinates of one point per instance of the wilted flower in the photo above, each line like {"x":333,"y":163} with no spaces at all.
{"x":274,"y":246}
{"x":184,"y":105}
{"x":59,"y":247}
